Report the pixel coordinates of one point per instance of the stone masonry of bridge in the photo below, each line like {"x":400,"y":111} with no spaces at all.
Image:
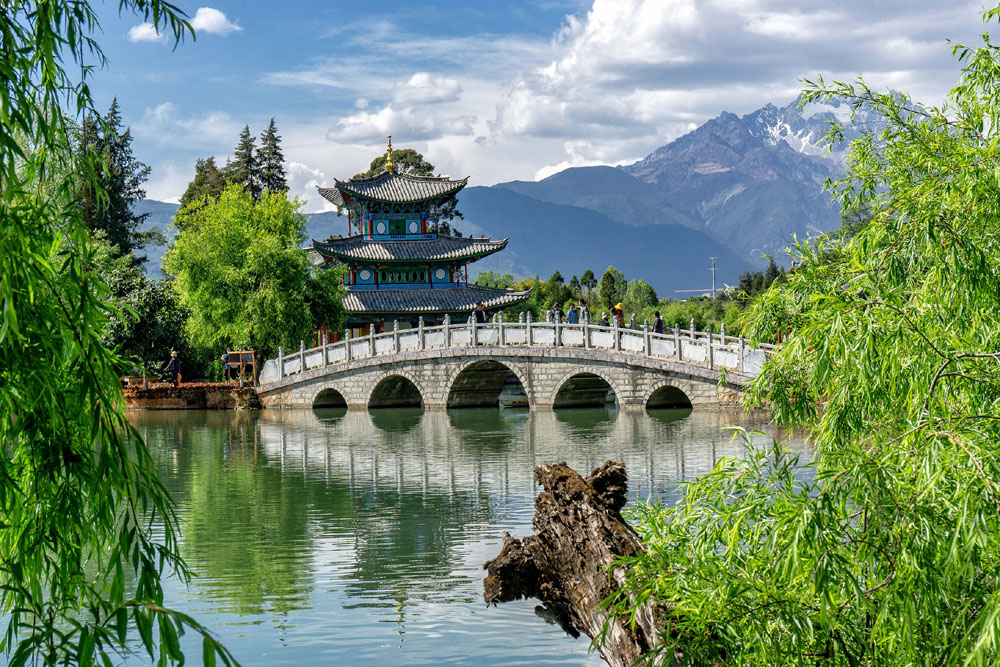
{"x":477,"y":373}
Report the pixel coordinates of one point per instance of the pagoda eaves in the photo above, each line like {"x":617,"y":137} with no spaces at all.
{"x":435,"y":248}
{"x":392,"y":188}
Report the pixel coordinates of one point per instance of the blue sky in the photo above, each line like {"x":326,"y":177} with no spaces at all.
{"x":496,"y":90}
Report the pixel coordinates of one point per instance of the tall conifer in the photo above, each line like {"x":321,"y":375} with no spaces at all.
{"x":270,"y":161}
{"x":244,"y":170}
{"x":208,"y":180}
{"x":119,"y":182}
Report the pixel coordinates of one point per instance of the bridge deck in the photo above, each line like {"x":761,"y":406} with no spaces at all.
{"x":687,"y":355}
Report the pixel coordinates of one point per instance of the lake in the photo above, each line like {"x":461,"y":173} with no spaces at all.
{"x":322,"y":537}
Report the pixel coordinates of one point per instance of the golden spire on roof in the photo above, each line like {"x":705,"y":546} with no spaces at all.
{"x":390,"y":166}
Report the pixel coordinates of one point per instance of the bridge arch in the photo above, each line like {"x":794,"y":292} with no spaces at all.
{"x":668,"y":394}
{"x":480,"y":382}
{"x":396,"y":389}
{"x":585,"y":388}
{"x":329,"y":397}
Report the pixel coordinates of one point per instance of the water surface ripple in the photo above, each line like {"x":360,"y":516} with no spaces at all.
{"x":328,"y":537}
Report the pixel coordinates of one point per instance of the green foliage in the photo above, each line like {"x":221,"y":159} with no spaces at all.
{"x":107,"y":199}
{"x":151,"y":323}
{"x":885,"y":549}
{"x":613,"y":287}
{"x":208,"y":181}
{"x":407,"y":161}
{"x":588,"y":281}
{"x":270,"y":161}
{"x":79,"y":492}
{"x":494,"y":279}
{"x":557,"y":278}
{"x":639,"y":296}
{"x":239,"y":270}
{"x":754,"y":283}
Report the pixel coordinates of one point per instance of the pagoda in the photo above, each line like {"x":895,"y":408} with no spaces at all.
{"x":397,"y":269}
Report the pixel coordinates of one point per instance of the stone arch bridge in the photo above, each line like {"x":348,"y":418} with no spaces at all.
{"x":544,"y":364}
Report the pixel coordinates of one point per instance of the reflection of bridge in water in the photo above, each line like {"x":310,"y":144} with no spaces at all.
{"x":492,"y":451}
{"x":555,"y":365}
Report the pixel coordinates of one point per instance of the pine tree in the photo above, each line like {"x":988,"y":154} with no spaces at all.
{"x":270,"y":161}
{"x":771,"y":274}
{"x":208,"y":181}
{"x":244,"y":170}
{"x":120,"y":182}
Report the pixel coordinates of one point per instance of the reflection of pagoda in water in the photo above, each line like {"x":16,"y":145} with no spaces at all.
{"x":397,"y":269}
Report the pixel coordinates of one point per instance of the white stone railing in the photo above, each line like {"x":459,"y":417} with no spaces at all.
{"x":714,"y":351}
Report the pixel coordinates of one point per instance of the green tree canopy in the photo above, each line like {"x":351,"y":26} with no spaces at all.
{"x":407,"y":161}
{"x":208,"y":181}
{"x":639,"y":296}
{"x":239,"y":270}
{"x":885,"y":549}
{"x":151,"y":322}
{"x":108,"y":199}
{"x":613,"y":286}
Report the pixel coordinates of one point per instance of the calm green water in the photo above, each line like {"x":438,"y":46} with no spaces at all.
{"x":334,"y":537}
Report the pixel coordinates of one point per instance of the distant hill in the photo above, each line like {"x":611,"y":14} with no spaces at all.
{"x":546,"y":237}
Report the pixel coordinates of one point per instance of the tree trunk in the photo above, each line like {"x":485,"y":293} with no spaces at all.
{"x":579,"y":532}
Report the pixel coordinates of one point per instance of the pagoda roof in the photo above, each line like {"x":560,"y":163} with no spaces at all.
{"x":359,"y":247}
{"x":442,"y":300}
{"x":392,"y":187}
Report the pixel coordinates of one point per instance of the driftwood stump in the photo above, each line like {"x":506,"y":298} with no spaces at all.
{"x":579,"y":532}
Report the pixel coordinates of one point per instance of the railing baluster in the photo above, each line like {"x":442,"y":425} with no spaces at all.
{"x":347,"y":344}
{"x":421,"y":342}
{"x":302,"y":356}
{"x":527,"y":335}
{"x":281,"y":363}
{"x":711,"y":358}
{"x":677,"y":341}
{"x":645,"y":338}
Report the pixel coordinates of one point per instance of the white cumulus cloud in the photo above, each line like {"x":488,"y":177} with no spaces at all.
{"x":210,"y":20}
{"x":424,"y":88}
{"x":144,"y":32}
{"x":413,"y":124}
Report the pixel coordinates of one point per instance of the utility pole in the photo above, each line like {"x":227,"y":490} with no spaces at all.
{"x":713,"y":278}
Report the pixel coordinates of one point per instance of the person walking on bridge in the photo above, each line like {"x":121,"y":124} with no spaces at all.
{"x":658,"y":324}
{"x":619,"y":315}
{"x":481,"y":317}
{"x":573,"y":314}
